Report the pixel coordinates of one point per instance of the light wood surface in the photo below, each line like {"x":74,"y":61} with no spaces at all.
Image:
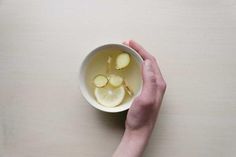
{"x":42,"y":43}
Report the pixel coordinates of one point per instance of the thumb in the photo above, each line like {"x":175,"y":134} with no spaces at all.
{"x":149,"y":81}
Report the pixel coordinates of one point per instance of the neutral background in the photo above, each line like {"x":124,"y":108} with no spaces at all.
{"x":42,"y":44}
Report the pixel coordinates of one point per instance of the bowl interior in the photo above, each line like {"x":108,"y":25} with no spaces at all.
{"x":85,"y":89}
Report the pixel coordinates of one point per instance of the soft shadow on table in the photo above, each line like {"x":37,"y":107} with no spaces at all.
{"x":159,"y":134}
{"x":112,"y":120}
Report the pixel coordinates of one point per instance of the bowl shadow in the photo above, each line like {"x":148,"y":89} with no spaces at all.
{"x":112,"y":120}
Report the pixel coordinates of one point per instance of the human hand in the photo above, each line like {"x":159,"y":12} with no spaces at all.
{"x":143,"y":112}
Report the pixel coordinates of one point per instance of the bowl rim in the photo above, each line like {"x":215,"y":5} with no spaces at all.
{"x":84,"y":90}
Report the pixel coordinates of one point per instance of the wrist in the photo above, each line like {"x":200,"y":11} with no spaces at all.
{"x":139,"y":137}
{"x":133,"y":143}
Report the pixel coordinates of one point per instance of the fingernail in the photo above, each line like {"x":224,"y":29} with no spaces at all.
{"x":126,"y":42}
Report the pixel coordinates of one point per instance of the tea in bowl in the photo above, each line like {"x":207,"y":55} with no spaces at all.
{"x":110,"y":77}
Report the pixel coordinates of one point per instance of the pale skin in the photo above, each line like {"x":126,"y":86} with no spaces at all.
{"x":142,"y":115}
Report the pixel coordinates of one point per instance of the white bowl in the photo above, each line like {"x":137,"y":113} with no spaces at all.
{"x":82,"y":82}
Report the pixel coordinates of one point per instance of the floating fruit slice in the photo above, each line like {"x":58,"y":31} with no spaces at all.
{"x":109,"y":96}
{"x":100,"y":81}
{"x":128,"y":90}
{"x":122,"y":60}
{"x":109,"y":59}
{"x":115,"y":80}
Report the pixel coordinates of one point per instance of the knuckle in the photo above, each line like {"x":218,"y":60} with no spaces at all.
{"x":162,"y":85}
{"x":152,"y":78}
{"x":154,"y":59}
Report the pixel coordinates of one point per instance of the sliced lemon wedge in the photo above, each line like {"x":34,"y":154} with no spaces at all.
{"x":109,"y":96}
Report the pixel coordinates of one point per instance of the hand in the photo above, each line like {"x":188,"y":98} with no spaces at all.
{"x":143,"y":112}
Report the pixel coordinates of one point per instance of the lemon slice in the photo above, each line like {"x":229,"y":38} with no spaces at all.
{"x":109,"y":96}
{"x":122,"y":60}
{"x":115,"y":80}
{"x":100,"y":80}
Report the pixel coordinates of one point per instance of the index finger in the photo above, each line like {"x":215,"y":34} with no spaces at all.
{"x":145,"y":55}
{"x":139,"y":49}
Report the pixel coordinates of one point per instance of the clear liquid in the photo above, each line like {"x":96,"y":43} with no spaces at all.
{"x":98,"y":65}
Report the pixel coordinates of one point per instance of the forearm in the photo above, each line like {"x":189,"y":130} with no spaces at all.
{"x":133,"y":143}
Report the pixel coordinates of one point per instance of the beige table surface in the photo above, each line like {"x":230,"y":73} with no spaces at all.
{"x":42,"y":44}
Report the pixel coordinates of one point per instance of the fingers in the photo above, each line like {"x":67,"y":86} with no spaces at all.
{"x":141,"y":51}
{"x":157,"y":70}
{"x":149,"y":83}
{"x":147,"y":56}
